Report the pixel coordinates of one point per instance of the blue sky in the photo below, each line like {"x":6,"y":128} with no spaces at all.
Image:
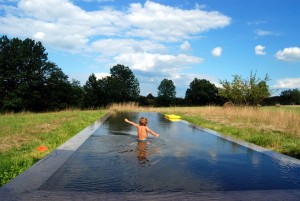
{"x":174,"y":39}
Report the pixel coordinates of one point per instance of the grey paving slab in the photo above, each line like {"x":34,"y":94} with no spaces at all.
{"x":272,"y":195}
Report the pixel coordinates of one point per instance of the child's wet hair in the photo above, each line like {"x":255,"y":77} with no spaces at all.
{"x":143,"y":121}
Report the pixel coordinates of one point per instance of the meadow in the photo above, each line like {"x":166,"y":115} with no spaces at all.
{"x":275,"y":128}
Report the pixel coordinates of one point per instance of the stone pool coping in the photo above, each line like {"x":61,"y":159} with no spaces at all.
{"x":25,"y":186}
{"x":281,"y":157}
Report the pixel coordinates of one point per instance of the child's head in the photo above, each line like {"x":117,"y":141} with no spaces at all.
{"x":143,"y":121}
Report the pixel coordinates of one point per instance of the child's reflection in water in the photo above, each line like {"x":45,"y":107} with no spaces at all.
{"x":145,"y":153}
{"x":142,"y":153}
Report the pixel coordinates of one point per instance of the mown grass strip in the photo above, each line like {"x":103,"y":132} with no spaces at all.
{"x":23,"y":133}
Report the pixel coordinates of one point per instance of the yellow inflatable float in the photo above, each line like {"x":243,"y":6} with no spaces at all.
{"x":172,"y":117}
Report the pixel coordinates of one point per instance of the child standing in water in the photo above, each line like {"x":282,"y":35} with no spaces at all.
{"x":142,"y":129}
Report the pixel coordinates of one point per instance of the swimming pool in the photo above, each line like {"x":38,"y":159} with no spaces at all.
{"x":183,"y":159}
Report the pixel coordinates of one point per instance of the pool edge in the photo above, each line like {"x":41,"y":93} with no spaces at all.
{"x":281,"y":157}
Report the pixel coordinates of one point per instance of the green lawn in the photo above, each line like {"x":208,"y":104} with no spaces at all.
{"x":21,"y":135}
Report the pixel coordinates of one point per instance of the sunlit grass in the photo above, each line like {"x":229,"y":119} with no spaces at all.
{"x":21,"y":134}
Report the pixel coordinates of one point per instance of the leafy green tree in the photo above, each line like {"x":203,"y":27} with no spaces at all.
{"x":122,"y":85}
{"x":148,"y":100}
{"x":201,"y":92}
{"x":23,"y":65}
{"x":250,"y":91}
{"x":166,"y":93}
{"x":167,"y":88}
{"x":93,"y":93}
{"x":28,"y":81}
{"x":290,"y":97}
{"x":76,"y":94}
{"x":59,"y":90}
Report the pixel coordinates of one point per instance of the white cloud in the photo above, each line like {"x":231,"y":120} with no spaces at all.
{"x":289,"y":54}
{"x":39,"y":36}
{"x":260,"y":32}
{"x":63,"y":25}
{"x":288,"y":83}
{"x":217,"y":51}
{"x":167,"y":23}
{"x":260,"y":50}
{"x":112,"y":47}
{"x":49,"y":10}
{"x":185,"y":46}
{"x":156,"y":62}
{"x":101,"y":75}
{"x":66,"y":27}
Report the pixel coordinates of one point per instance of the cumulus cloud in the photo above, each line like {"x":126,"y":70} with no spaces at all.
{"x":71,"y":28}
{"x":185,"y":46}
{"x":167,"y":23}
{"x":156,"y":62}
{"x":111,"y":47}
{"x":289,"y":54}
{"x":101,"y":75}
{"x":288,"y":83}
{"x":260,"y":50}
{"x":66,"y":27}
{"x":217,"y":51}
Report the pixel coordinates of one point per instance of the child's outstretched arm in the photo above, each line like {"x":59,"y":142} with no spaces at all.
{"x":132,"y":123}
{"x":152,"y":132}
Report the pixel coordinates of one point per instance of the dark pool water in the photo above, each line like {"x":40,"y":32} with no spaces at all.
{"x":182,"y":159}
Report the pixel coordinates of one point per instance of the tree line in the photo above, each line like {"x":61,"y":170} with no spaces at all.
{"x":30,"y":82}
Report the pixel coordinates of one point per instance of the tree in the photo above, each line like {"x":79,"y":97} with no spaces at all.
{"x":94,"y":95}
{"x":76,"y":94}
{"x":290,"y":97}
{"x":28,"y":81}
{"x":251,"y":91}
{"x":23,"y":67}
{"x":166,"y":88}
{"x":148,"y":100}
{"x":166,"y":92}
{"x":201,"y":92}
{"x":122,"y":84}
{"x":59,"y":90}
